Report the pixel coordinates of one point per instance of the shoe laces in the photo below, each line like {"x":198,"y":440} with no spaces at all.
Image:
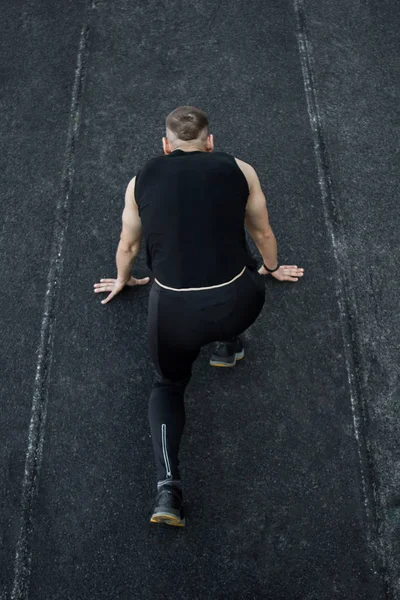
{"x":219,"y":346}
{"x":222,"y":345}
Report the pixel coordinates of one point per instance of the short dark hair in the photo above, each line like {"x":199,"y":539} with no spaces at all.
{"x":187,"y":123}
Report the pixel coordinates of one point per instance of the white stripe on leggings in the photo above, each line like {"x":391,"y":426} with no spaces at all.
{"x":164,"y":447}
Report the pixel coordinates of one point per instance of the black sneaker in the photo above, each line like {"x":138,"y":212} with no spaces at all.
{"x":168,"y":509}
{"x":225,"y":354}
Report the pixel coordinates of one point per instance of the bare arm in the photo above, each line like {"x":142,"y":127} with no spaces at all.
{"x":128,"y":248}
{"x":131,"y":234}
{"x":256,"y":219}
{"x":257,"y":223}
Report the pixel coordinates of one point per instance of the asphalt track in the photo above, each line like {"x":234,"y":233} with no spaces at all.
{"x":290,"y":461}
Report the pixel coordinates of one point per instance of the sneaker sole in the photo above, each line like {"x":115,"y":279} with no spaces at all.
{"x":218,"y":363}
{"x":167,"y":519}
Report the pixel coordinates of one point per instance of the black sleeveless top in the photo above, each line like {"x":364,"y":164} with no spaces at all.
{"x":192,"y":209}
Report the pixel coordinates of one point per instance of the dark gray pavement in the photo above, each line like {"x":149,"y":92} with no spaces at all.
{"x":38,"y":48}
{"x":290,"y":460}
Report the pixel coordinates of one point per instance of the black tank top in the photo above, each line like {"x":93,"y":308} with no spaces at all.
{"x":192,"y":209}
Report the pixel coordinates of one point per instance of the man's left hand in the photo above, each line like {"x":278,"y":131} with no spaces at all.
{"x":114,"y":286}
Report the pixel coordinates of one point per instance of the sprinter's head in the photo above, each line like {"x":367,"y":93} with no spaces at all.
{"x":187,"y":128}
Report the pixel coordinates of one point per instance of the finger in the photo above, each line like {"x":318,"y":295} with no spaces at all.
{"x":293,"y":271}
{"x":293,"y":268}
{"x":109,"y":297}
{"x":105,"y":282}
{"x":142,"y":281}
{"x":104,"y":288}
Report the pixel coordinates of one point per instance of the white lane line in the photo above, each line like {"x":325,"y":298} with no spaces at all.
{"x":23,"y":555}
{"x":344,"y":294}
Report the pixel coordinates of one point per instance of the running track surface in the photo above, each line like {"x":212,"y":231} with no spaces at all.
{"x":290,"y":461}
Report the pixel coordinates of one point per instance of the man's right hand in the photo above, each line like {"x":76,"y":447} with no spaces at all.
{"x":284,"y":273}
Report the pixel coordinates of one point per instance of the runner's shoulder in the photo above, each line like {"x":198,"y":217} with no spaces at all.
{"x":248,"y":171}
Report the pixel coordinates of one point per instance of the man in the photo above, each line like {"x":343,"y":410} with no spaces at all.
{"x":192,"y":204}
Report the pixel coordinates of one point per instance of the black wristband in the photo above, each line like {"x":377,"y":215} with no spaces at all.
{"x":271,"y":270}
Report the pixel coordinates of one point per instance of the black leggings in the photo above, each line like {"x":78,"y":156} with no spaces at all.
{"x":179,"y":324}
